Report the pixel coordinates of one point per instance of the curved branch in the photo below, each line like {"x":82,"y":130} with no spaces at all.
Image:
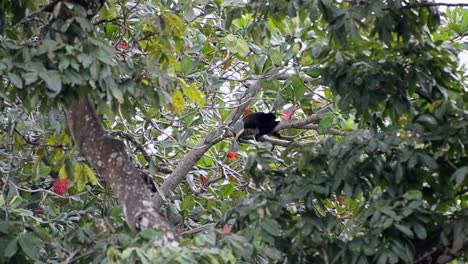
{"x":287,"y":143}
{"x":306,"y":123}
{"x":297,"y":123}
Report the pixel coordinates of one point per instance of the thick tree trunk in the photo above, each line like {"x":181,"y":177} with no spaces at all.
{"x":109,"y":159}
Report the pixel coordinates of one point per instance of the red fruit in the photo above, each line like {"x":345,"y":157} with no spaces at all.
{"x":227,"y":229}
{"x":38,"y":212}
{"x":341,"y":198}
{"x":204,"y":179}
{"x":123,"y":44}
{"x":60,"y":186}
{"x":231,"y":155}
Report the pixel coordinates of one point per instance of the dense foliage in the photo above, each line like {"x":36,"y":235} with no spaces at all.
{"x":378,"y":175}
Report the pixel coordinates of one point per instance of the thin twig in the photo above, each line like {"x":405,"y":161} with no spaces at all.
{"x":28,"y":141}
{"x":69,"y":259}
{"x":199,"y":229}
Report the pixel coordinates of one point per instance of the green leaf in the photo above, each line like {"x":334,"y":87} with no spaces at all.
{"x":64,"y":63}
{"x":316,"y":50}
{"x":189,"y":14}
{"x":30,"y":77}
{"x":178,"y":101}
{"x":117,"y":94}
{"x":53,"y":81}
{"x":86,"y":170}
{"x":231,"y":42}
{"x":128,"y":252}
{"x":94,"y":70}
{"x":387,"y":222}
{"x":238,"y":128}
{"x":69,"y":167}
{"x":242,"y":47}
{"x":427,"y":119}
{"x":389,"y":212}
{"x":273,"y":254}
{"x":298,"y":86}
{"x":271,"y":226}
{"x":399,"y":172}
{"x":226,"y":190}
{"x":383,"y":258}
{"x":31,"y":245}
{"x":327,"y":121}
{"x":85,"y":24}
{"x":11,"y":248}
{"x":266,"y":237}
{"x":188,"y":203}
{"x":420,"y":231}
{"x":24,"y":212}
{"x":339,"y":58}
{"x":276,"y":57}
{"x":73,"y":77}
{"x":241,"y":245}
{"x":428,"y":161}
{"x":194,"y":94}
{"x":80,"y":177}
{"x":413,"y":195}
{"x":185,"y":65}
{"x":405,"y":230}
{"x":15,"y":79}
{"x":150,"y":234}
{"x":85,"y":59}
{"x":459,"y":175}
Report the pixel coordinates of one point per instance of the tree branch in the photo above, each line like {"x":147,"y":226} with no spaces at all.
{"x":189,"y":160}
{"x":286,"y":143}
{"x":431,"y":4}
{"x":297,"y":123}
{"x":28,"y":141}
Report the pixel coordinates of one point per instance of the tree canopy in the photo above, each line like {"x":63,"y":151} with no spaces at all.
{"x":120,"y":126}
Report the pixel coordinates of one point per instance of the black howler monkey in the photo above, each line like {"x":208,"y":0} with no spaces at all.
{"x":259,"y":124}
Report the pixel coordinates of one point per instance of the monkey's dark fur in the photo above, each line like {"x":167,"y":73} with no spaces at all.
{"x":259,"y":124}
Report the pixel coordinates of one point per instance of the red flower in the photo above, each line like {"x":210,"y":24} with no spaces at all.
{"x":227,"y":229}
{"x":204,"y":179}
{"x":60,"y":186}
{"x":231,"y":155}
{"x":286,"y":115}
